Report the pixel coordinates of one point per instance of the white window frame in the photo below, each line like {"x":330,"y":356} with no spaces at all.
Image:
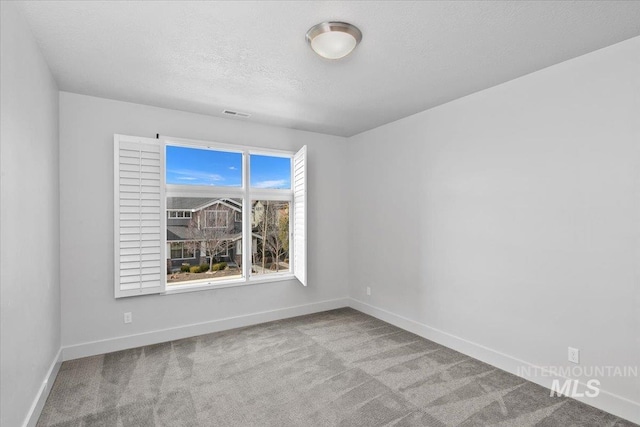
{"x":246,"y":194}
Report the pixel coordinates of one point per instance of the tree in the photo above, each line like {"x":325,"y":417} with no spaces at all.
{"x":273,"y":229}
{"x":212,"y":239}
{"x":283,"y":228}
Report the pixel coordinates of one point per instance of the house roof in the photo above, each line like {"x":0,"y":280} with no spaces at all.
{"x":177,"y":232}
{"x":198,"y":203}
{"x":181,"y":233}
{"x":188,"y":203}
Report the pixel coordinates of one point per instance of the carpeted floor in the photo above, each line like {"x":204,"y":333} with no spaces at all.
{"x":339,"y":367}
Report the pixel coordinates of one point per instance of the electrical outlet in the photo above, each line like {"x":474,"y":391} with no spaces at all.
{"x":368,"y":290}
{"x":128,"y":318}
{"x":574,"y":355}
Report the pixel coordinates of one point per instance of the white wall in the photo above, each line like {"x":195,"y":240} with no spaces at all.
{"x":89,"y":310}
{"x":511,"y":217}
{"x":29,"y":262}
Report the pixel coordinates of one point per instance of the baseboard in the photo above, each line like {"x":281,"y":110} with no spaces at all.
{"x":36,"y":407}
{"x":609,"y":402}
{"x":154,"y":337}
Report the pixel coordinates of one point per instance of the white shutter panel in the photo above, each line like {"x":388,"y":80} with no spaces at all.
{"x":300,"y":215}
{"x":139,"y":223}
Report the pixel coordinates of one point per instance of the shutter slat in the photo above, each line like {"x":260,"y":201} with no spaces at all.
{"x":130,"y":266}
{"x":132,"y":168}
{"x":135,"y":244}
{"x":128,"y":204}
{"x":130,"y":280}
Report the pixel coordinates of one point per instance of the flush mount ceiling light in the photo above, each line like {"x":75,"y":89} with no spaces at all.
{"x":333,"y":40}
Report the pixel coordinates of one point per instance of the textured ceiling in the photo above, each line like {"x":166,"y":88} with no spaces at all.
{"x":204,"y":57}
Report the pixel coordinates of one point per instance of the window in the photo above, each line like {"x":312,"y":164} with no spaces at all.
{"x":204,"y":238}
{"x":270,"y":172}
{"x":179,"y":214}
{"x":216,"y":219}
{"x":271,"y":229}
{"x":203,"y":167}
{"x":181,"y":250}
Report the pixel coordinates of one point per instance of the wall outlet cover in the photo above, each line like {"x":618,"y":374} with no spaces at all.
{"x":574,"y":355}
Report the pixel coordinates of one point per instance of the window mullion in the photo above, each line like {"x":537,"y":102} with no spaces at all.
{"x":246,"y":219}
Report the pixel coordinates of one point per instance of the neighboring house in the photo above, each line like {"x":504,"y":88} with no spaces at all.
{"x":198,"y":228}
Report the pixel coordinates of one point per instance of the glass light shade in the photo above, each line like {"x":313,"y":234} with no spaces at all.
{"x":333,"y":40}
{"x":333,"y":45}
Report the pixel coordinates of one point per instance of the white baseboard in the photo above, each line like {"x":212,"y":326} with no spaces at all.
{"x":36,"y":407}
{"x":154,"y":337}
{"x":609,"y":402}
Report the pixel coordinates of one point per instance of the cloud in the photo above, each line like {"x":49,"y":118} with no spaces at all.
{"x":233,"y":168}
{"x":195,"y":176}
{"x":276,"y":183}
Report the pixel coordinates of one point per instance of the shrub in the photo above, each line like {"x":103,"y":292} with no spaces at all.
{"x":195,"y":269}
{"x":185,"y":268}
{"x":204,"y":267}
{"x":219,"y":266}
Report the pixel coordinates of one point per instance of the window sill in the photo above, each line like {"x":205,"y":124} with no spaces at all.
{"x":232,"y":283}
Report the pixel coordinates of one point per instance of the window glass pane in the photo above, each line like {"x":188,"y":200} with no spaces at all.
{"x":270,"y":172}
{"x":203,"y":248}
{"x":196,"y":166}
{"x":176,"y":250}
{"x":270,"y":229}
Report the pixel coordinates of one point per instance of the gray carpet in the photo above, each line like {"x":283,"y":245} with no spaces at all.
{"x":339,"y":367}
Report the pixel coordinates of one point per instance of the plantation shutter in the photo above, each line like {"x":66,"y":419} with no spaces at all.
{"x":139,"y":204}
{"x":300,"y":215}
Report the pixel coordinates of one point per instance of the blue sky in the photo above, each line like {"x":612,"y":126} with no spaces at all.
{"x":192,"y":166}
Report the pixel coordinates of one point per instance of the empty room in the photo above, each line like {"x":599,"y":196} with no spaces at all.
{"x":320,"y":213}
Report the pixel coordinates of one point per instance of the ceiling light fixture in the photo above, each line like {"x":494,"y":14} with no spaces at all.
{"x":333,"y":40}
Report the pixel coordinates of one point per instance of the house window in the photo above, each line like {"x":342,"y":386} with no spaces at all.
{"x":217,"y":219}
{"x":179,"y":214}
{"x":204,"y":188}
{"x":182,"y":250}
